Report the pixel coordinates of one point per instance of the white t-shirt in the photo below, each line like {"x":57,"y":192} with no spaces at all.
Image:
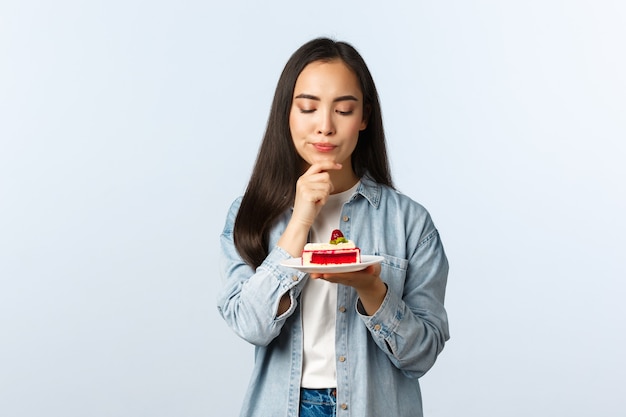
{"x":319,"y":306}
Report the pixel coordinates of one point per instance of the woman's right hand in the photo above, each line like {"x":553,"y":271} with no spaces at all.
{"x":312,"y":191}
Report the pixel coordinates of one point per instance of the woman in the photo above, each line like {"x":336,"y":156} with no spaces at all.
{"x":350,"y":344}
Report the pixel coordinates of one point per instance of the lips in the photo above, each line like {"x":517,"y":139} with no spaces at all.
{"x":324,"y":147}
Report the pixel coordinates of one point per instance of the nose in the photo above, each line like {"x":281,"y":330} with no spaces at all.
{"x":326,"y":126}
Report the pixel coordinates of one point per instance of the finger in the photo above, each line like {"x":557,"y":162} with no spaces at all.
{"x":314,"y":191}
{"x":317,"y":184}
{"x":322,"y":166}
{"x":373,"y":269}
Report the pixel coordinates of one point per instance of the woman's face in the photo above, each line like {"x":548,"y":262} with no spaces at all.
{"x":326,"y":113}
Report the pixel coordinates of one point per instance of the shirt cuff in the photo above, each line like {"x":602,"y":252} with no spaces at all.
{"x":287,"y":277}
{"x":387,"y":318}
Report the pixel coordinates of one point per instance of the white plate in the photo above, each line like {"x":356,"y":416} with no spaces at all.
{"x":366,"y":260}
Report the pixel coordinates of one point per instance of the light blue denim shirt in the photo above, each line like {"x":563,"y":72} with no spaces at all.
{"x":379,"y":357}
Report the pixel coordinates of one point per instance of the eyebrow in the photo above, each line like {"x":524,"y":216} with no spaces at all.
{"x":337,"y":99}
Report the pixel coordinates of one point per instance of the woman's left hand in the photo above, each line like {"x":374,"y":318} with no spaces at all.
{"x":367,"y":283}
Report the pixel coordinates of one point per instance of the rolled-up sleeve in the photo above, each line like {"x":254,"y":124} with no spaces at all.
{"x":249,"y":298}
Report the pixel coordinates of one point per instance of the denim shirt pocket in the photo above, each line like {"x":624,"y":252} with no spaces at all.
{"x":393,"y":272}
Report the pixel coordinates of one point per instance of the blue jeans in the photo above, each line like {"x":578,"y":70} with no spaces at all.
{"x":318,"y":402}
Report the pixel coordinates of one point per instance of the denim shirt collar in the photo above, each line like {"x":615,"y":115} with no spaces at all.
{"x":369,"y":189}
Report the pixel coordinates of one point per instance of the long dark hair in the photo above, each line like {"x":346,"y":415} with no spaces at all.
{"x":271,"y":189}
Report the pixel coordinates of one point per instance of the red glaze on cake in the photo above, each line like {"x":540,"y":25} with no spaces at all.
{"x":338,"y":251}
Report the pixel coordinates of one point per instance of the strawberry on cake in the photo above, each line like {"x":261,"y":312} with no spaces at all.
{"x":339,"y":251}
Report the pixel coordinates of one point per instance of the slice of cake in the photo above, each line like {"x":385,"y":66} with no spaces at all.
{"x":338,"y":251}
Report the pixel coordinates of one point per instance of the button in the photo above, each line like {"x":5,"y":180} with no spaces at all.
{"x":344,"y":406}
{"x":342,"y":309}
{"x":345,"y":218}
{"x":377,"y":327}
{"x":342,"y":359}
{"x":295,"y":277}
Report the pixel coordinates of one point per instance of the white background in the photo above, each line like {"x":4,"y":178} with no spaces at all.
{"x":128,"y":127}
